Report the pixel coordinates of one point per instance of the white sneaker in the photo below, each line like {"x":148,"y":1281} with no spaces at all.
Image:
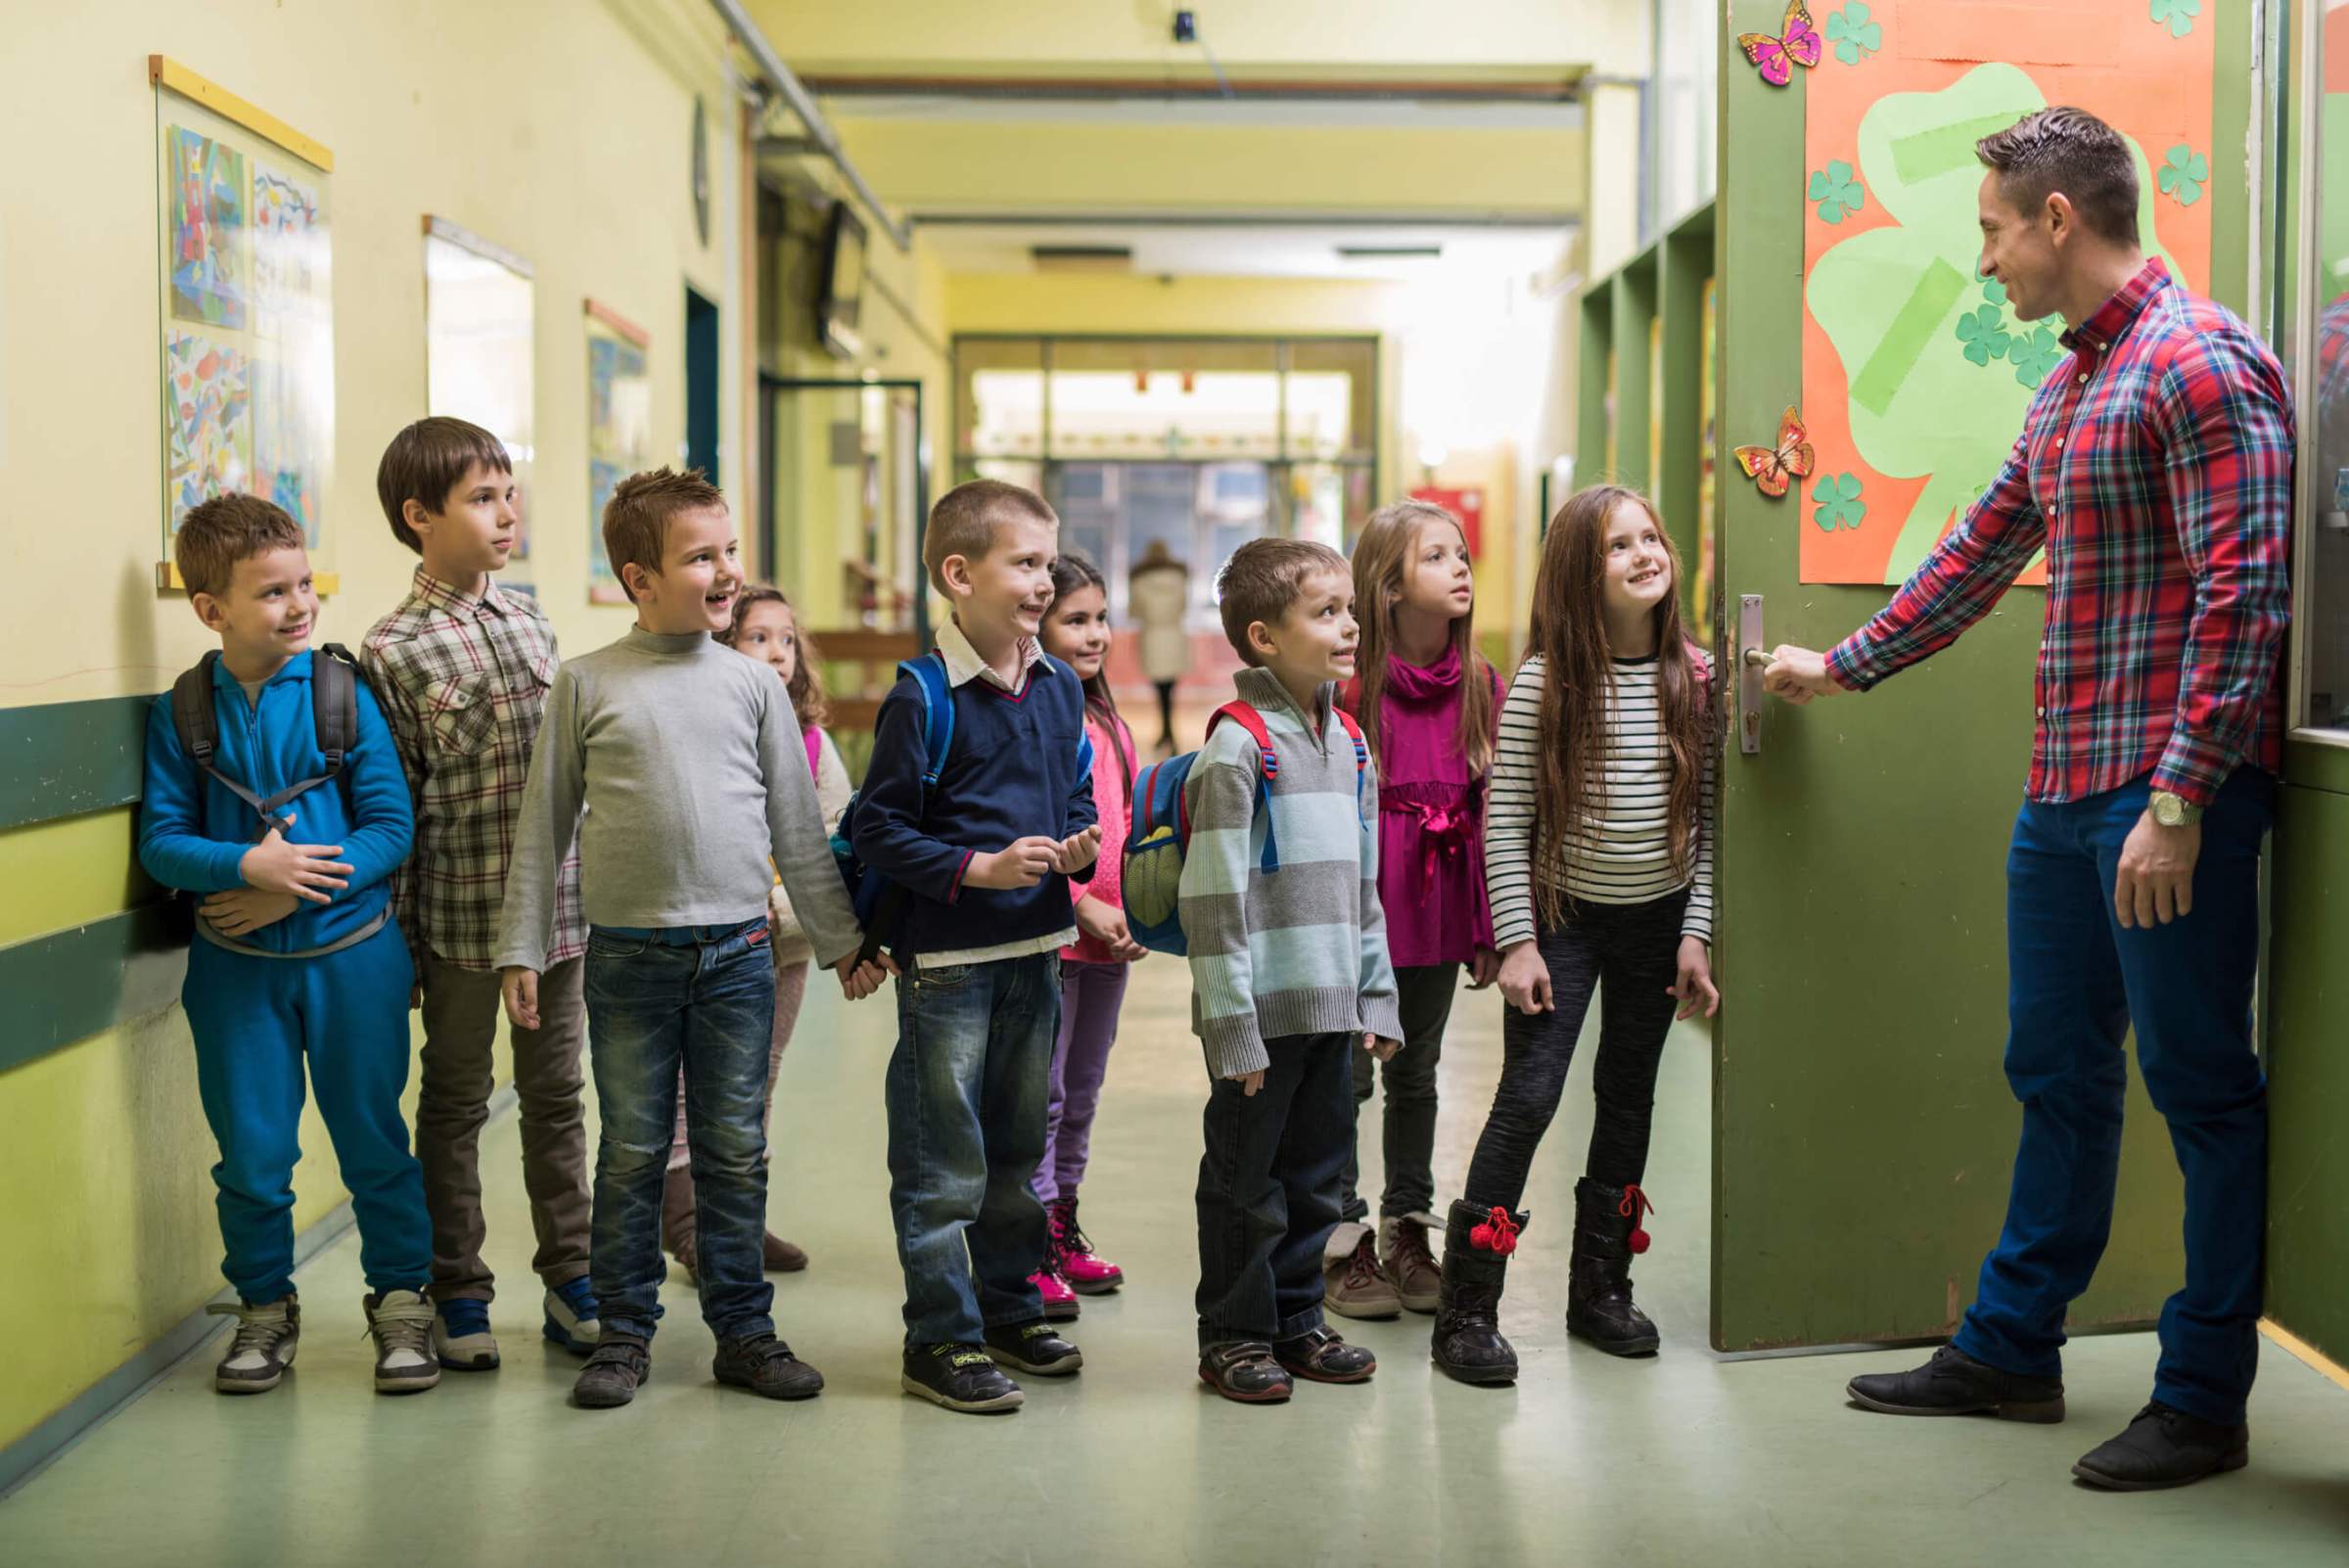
{"x":461,"y":1337}
{"x":401,"y":1321}
{"x":262,"y":1346}
{"x":571,"y":1318}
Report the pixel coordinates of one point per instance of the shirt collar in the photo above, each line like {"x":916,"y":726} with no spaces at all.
{"x":434,"y":594}
{"x":964,"y":665}
{"x":2103,"y":328}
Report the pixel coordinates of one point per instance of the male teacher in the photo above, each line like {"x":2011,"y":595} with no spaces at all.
{"x":2155,"y":469}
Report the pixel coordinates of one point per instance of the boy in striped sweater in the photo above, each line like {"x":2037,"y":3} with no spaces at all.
{"x":1289,"y":972}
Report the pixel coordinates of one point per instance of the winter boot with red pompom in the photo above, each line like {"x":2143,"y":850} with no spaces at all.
{"x":1466,"y":1342}
{"x":1598,"y":1282}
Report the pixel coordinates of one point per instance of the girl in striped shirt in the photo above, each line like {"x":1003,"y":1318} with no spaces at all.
{"x":1598,"y":861}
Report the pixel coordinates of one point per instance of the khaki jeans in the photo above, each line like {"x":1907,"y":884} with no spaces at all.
{"x":461,"y":1009}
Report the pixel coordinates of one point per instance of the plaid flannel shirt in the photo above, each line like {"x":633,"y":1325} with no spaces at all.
{"x":2156,"y":470}
{"x":463,"y":684}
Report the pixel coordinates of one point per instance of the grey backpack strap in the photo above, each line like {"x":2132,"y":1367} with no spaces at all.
{"x":335,"y":704}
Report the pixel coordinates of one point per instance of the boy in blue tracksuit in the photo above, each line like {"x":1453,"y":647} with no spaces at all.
{"x":297,"y":958}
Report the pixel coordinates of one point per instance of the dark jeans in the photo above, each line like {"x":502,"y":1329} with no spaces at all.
{"x":2076,"y":982}
{"x":1408,"y":1135}
{"x":704,"y":998}
{"x":1268,"y":1190}
{"x":1629,"y":953}
{"x":967,"y":1089}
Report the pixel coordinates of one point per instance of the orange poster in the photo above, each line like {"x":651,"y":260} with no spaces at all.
{"x":1916,"y":372}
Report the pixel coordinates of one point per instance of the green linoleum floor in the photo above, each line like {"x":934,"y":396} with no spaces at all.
{"x":1684,"y":1459}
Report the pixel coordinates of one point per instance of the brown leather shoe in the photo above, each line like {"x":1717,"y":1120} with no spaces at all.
{"x":782,"y":1257}
{"x":1404,"y":1254}
{"x":1353,"y":1285}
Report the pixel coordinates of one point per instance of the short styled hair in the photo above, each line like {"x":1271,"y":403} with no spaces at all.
{"x":217,"y":533}
{"x":427,"y":460}
{"x":2072,"y":152}
{"x":1266,"y":576}
{"x":965,"y":519}
{"x":637,"y":517}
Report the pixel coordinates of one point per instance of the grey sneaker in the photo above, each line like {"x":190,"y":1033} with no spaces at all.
{"x":262,"y":1346}
{"x":1353,"y":1284}
{"x":461,"y":1336}
{"x":401,"y":1321}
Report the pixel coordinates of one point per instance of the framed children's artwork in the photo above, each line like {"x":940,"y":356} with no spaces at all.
{"x":480,"y":346}
{"x":245,"y":306}
{"x":619,"y":429}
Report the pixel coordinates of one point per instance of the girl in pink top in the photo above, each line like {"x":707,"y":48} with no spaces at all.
{"x":1428,"y":706}
{"x":1092,"y":982}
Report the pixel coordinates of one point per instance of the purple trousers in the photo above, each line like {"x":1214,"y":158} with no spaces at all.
{"x":1090,"y":995}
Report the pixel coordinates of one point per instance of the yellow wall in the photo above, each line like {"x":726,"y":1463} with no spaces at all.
{"x":560,"y":130}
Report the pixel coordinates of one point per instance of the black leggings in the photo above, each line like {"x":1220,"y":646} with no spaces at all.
{"x":1631,"y":954}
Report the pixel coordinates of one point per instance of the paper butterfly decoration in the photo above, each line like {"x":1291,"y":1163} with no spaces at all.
{"x":1798,"y":44}
{"x":1774,"y":468}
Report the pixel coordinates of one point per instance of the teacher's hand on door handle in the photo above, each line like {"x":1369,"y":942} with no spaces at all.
{"x":1794,"y":676}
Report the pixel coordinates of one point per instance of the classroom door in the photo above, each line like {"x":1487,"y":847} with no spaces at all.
{"x":1863,"y":1130}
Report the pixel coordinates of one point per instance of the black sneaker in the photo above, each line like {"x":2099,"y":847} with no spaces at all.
{"x":1245,"y":1370}
{"x":1954,"y":1383}
{"x":1320,"y":1355}
{"x":765,"y":1365}
{"x":959,"y":1378}
{"x":2165,"y":1448}
{"x":1032,"y":1348}
{"x":615,"y":1368}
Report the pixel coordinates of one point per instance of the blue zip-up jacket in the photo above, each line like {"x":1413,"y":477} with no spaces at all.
{"x":192,"y":830}
{"x":1014,"y":771}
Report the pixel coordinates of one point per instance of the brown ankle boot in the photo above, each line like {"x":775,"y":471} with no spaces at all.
{"x":782,"y":1257}
{"x":678,"y":1225}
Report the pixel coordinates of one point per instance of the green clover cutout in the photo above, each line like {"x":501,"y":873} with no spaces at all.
{"x":2179,"y":14}
{"x":1853,"y":34}
{"x":2183,"y":174}
{"x":1836,"y":191}
{"x":2035,"y":357}
{"x":1841,"y":507}
{"x":1985,"y":335}
{"x":1994,"y":291}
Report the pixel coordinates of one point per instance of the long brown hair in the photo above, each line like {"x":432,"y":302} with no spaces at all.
{"x":1075,"y":570}
{"x":807,"y":683}
{"x":1570,"y":633}
{"x":1389,"y":539}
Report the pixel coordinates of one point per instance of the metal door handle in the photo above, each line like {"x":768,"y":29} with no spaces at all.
{"x":1750,"y":665}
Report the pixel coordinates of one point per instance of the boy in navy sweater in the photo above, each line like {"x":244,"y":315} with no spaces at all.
{"x":985,"y":855}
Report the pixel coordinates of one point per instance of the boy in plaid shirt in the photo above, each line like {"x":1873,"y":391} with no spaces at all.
{"x":462,"y":668}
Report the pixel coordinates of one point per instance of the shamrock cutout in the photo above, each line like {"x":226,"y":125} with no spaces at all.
{"x":2180,"y":15}
{"x":1841,"y":507}
{"x":1984,"y":334}
{"x":1854,"y":35}
{"x":1994,"y":291}
{"x":1836,"y":191}
{"x":2033,"y":356}
{"x":2182,"y":176}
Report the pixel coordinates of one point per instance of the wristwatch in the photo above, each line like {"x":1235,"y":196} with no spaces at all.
{"x":2175,"y":810}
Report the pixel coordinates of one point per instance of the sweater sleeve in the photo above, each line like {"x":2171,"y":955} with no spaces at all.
{"x":1212,"y":903}
{"x":1510,"y":813}
{"x":545,"y":824}
{"x":794,"y":824}
{"x":1697,"y":920}
{"x":174,"y":846}
{"x":1381,"y":1004}
{"x":889,"y":812}
{"x":383,"y":825}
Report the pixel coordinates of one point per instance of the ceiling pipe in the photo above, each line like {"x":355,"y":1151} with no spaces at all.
{"x":802,"y":103}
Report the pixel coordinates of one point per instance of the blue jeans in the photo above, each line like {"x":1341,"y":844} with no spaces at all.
{"x":1268,"y":1190}
{"x":702,"y":998}
{"x":2077,"y":981}
{"x":257,"y":1022}
{"x":967,"y":1089}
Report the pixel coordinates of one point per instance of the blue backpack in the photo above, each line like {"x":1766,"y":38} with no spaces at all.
{"x":1158,"y":837}
{"x":869,"y":890}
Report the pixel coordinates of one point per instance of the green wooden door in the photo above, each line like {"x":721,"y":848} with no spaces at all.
{"x":1863,"y":1130}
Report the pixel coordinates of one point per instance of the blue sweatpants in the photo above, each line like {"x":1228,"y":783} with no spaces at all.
{"x":2077,"y":981}
{"x":254,"y":1020}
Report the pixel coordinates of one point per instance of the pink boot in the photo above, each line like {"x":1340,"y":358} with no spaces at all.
{"x":1088,"y":1273}
{"x":1060,"y":1302}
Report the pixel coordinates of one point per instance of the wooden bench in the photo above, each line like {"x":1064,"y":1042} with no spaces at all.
{"x":860,"y":665}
